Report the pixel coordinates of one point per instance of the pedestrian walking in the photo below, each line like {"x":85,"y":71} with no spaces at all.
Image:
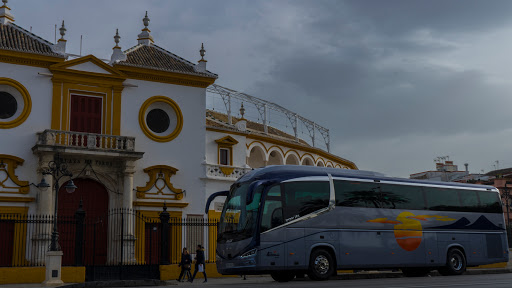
{"x":186,"y":265}
{"x":200,"y":264}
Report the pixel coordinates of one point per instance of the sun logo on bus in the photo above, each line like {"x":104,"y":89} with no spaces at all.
{"x":408,"y":229}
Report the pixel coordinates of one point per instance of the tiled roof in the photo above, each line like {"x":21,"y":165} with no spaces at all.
{"x":13,"y":37}
{"x":253,"y":127}
{"x":154,"y":57}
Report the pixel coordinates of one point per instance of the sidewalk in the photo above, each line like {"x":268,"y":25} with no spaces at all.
{"x":251,"y":279}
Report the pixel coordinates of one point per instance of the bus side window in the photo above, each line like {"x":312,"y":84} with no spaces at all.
{"x":469,"y":201}
{"x":272,"y":209}
{"x":356,"y":194}
{"x":489,"y":202}
{"x":304,"y":197}
{"x":441,"y":199}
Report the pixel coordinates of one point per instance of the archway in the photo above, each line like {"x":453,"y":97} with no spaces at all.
{"x":256,"y":157}
{"x":308,"y":162}
{"x":95,"y":200}
{"x":292,"y":160}
{"x":275,"y":158}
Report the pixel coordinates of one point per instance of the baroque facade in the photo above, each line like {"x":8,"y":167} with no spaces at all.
{"x":132,"y":130}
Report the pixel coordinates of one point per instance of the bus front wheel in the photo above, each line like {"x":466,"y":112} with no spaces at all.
{"x":455,"y":263}
{"x":283,"y":276}
{"x":321,"y":265}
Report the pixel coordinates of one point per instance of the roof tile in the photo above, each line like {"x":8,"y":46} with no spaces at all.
{"x":154,"y":57}
{"x":13,"y":37}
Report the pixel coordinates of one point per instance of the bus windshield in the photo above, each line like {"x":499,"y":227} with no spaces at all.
{"x":238,"y":220}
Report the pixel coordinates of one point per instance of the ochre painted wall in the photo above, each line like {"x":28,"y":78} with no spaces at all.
{"x":24,"y":275}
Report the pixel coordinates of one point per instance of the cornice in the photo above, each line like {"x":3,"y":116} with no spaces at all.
{"x":28,"y":59}
{"x":165,"y":77}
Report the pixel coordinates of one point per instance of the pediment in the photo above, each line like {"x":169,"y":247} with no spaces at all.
{"x":228,"y":140}
{"x":87,"y":64}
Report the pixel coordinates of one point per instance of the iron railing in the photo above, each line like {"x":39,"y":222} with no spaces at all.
{"x":122,"y":237}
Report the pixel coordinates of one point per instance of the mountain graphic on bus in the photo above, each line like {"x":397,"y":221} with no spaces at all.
{"x":482,"y":223}
{"x":408,"y":229}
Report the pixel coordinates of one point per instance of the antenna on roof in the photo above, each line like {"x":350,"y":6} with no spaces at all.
{"x":30,"y":29}
{"x":55,"y":37}
{"x":81,"y":45}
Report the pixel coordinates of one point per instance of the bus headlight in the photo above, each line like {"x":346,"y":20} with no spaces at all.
{"x":249,"y":253}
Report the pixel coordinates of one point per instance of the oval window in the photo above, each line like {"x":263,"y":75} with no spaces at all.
{"x":158,"y":120}
{"x":8,"y":105}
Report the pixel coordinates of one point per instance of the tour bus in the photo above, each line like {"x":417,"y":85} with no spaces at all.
{"x":290,"y":220}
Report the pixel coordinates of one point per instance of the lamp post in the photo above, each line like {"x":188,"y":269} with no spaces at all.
{"x":506,"y":197}
{"x":58,"y":170}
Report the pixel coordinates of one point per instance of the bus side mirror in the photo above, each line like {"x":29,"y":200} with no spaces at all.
{"x":213,"y":196}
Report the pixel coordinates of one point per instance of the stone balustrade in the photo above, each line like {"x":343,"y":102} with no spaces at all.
{"x":86,"y":140}
{"x":224,"y":172}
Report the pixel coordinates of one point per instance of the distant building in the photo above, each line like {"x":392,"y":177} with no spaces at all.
{"x":445,"y":171}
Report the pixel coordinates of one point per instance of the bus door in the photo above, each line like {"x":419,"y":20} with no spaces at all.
{"x":272,"y":251}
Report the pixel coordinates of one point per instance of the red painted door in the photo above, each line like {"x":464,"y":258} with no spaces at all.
{"x":85,"y":117}
{"x":95,"y":204}
{"x":152,"y":243}
{"x":6,"y":242}
{"x":86,"y":114}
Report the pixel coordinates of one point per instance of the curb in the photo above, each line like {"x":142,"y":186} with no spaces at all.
{"x":377,"y":275}
{"x":119,"y":283}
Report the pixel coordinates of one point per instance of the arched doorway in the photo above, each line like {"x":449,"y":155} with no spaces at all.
{"x":94,"y":198}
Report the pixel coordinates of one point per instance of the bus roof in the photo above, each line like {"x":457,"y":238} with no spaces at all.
{"x":284,"y":172}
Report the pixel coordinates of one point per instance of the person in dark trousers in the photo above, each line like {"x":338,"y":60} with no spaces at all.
{"x":200,"y":260}
{"x":186,"y":265}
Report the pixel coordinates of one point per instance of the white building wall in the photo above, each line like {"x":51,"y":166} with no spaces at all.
{"x":185,"y":152}
{"x":18,"y":141}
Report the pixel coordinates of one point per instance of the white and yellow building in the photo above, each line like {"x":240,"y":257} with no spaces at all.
{"x":132,"y":130}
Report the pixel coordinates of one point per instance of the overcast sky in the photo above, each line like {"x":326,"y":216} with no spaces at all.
{"x":398,"y":83}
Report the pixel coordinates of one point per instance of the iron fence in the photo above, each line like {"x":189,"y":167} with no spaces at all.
{"x":122,"y":237}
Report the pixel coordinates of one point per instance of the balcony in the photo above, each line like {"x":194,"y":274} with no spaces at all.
{"x":86,"y":143}
{"x":224,"y":172}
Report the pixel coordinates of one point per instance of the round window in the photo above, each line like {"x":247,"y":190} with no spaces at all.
{"x":8,"y":105}
{"x":160,"y":118}
{"x":158,"y":121}
{"x":15,"y":103}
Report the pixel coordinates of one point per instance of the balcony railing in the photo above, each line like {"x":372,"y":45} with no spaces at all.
{"x":224,"y":172}
{"x":86,"y":140}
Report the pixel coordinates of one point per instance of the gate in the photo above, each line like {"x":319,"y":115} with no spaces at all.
{"x":132,"y":245}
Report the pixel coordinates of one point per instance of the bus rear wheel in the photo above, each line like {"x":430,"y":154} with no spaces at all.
{"x":283,"y":276}
{"x":415,"y":272}
{"x":321,"y":265}
{"x":455,"y":263}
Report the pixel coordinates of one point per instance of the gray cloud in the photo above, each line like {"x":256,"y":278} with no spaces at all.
{"x":397,"y":82}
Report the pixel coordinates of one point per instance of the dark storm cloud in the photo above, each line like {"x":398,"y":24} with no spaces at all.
{"x":401,"y":16}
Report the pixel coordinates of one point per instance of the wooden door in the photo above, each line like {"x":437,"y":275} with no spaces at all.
{"x":95,"y":204}
{"x":86,"y":114}
{"x":85,"y":117}
{"x":6,"y":242}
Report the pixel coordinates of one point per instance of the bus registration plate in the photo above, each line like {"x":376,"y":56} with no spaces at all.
{"x":230,"y":265}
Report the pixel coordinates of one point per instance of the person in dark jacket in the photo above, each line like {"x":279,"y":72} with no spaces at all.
{"x":186,"y":265}
{"x":200,"y":260}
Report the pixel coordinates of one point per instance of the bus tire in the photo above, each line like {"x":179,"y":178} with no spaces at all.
{"x":321,"y":265}
{"x":283,"y":276}
{"x":455,"y":263}
{"x":415,"y":272}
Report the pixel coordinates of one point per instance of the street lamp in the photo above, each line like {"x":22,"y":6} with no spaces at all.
{"x":57,"y":170}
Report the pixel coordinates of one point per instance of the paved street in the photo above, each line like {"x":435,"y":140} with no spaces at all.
{"x":481,"y":281}
{"x":465,"y":281}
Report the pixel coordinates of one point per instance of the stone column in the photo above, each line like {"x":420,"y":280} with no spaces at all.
{"x":42,"y":235}
{"x":46,"y":201}
{"x":128,"y":241}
